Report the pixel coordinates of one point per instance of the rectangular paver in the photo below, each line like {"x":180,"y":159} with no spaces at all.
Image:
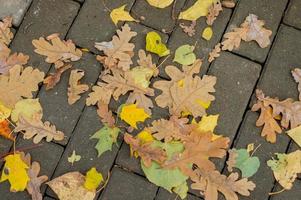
{"x":165,"y":195}
{"x":14,"y":8}
{"x":292,"y":16}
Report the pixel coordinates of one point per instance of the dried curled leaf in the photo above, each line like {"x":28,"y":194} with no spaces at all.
{"x":297,"y":76}
{"x":38,"y":130}
{"x":228,"y":3}
{"x":19,"y":83}
{"x":119,"y":51}
{"x":57,"y":51}
{"x":215,"y":53}
{"x":213,"y":12}
{"x":105,"y":114}
{"x":212,"y":182}
{"x":7,"y":61}
{"x":6,"y":34}
{"x":75,"y":88}
{"x":189,"y":30}
{"x":54,"y":78}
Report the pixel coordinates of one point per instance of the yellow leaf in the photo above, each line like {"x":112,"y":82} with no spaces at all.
{"x":154,"y":44}
{"x":93,"y":179}
{"x":160,"y":3}
{"x":27,"y":108}
{"x":204,"y":104}
{"x":119,"y":14}
{"x":144,"y":137}
{"x":4,"y":112}
{"x":142,"y":76}
{"x":15,"y":171}
{"x":295,"y":134}
{"x":250,"y":147}
{"x":85,"y":49}
{"x":199,"y":9}
{"x":208,"y":124}
{"x":131,"y":115}
{"x":207,"y":33}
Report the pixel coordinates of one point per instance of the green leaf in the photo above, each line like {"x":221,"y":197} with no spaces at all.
{"x":154,"y":44}
{"x":169,"y":179}
{"x":184,"y":55}
{"x":106,"y":137}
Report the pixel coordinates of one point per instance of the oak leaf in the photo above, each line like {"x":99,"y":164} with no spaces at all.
{"x":54,"y":78}
{"x":189,"y":30}
{"x":6,"y":34}
{"x":38,"y":130}
{"x":215,"y":53}
{"x":8,"y":60}
{"x":297,"y":76}
{"x":75,"y":88}
{"x":19,"y":83}
{"x":118,"y":52}
{"x":213,"y":12}
{"x":105,"y":114}
{"x":212,"y":182}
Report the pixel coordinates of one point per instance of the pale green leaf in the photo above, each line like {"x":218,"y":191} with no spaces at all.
{"x":184,"y":55}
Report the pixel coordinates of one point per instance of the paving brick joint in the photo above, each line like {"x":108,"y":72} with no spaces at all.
{"x":238,"y":74}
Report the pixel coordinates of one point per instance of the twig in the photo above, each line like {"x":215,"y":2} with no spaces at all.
{"x":104,"y":185}
{"x":173,"y":10}
{"x":255,"y":150}
{"x":274,"y":193}
{"x":163,"y":61}
{"x":104,"y":5}
{"x":21,"y":149}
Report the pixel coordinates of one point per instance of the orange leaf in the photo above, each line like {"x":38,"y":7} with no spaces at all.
{"x":5,"y":130}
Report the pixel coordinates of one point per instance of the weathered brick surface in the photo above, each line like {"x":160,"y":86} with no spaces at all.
{"x":14,"y":8}
{"x":266,"y":10}
{"x":292,"y":16}
{"x":42,"y":19}
{"x":55,"y":101}
{"x":93,"y":23}
{"x":292,"y":194}
{"x":165,"y":195}
{"x":126,"y":185}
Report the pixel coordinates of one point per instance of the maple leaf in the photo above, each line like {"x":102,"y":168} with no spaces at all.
{"x":131,"y":115}
{"x":5,"y":130}
{"x":145,"y":151}
{"x":212,"y":182}
{"x":266,"y":119}
{"x":8,"y":61}
{"x":6,"y":34}
{"x":105,"y":114}
{"x":75,"y":88}
{"x":118,"y":52}
{"x":57,"y":51}
{"x":297,"y":76}
{"x":215,"y":53}
{"x":189,"y":30}
{"x":93,"y":179}
{"x":213,"y":12}
{"x":199,"y":147}
{"x":19,"y":83}
{"x":36,"y":128}
{"x":54,"y":78}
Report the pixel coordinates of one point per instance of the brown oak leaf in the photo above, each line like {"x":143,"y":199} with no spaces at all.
{"x":105,"y":114}
{"x":297,"y":76}
{"x":7,"y":61}
{"x":228,"y":3}
{"x":19,"y":83}
{"x":119,"y":51}
{"x":145,"y":151}
{"x":213,"y":12}
{"x":215,"y":53}
{"x":6,"y":34}
{"x":58,"y":51}
{"x":147,"y":62}
{"x":54,"y":78}
{"x":38,"y":130}
{"x":75,"y":88}
{"x":189,"y":30}
{"x":33,"y":186}
{"x":211,"y":182}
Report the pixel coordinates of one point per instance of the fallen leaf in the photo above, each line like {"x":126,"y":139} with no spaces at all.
{"x":160,"y":3}
{"x":189,"y":30}
{"x":6,"y":34}
{"x":250,"y":147}
{"x":19,"y":83}
{"x":145,"y":61}
{"x":27,"y":108}
{"x":131,"y":114}
{"x":199,"y":9}
{"x":240,"y":158}
{"x":295,"y":134}
{"x":5,"y":112}
{"x":74,"y":158}
{"x":106,"y":136}
{"x":105,"y":114}
{"x":54,"y":78}
{"x":38,"y":130}
{"x":213,"y":12}
{"x":228,"y":3}
{"x":208,"y":124}
{"x":75,"y":88}
{"x":5,"y":130}
{"x":145,"y":137}
{"x":70,"y":186}
{"x":119,"y":14}
{"x":184,"y":55}
{"x":286,"y":168}
{"x":118,"y":52}
{"x":207,"y":33}
{"x":154,"y":44}
{"x":8,"y":60}
{"x":141,"y":76}
{"x":297,"y":76}
{"x":212,"y":182}
{"x":215,"y":53}
{"x":93,"y":179}
{"x":15,"y":171}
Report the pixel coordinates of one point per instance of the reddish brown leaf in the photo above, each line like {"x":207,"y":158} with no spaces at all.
{"x":54,"y":78}
{"x":75,"y":88}
{"x":5,"y":130}
{"x":105,"y":114}
{"x":215,"y":52}
{"x":33,"y":186}
{"x":213,"y":12}
{"x":189,"y":30}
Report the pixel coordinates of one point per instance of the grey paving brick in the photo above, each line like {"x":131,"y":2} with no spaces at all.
{"x":165,"y":195}
{"x":292,"y":194}
{"x":93,"y":23}
{"x":42,"y":19}
{"x":249,"y":133}
{"x":266,"y":10}
{"x":48,"y":198}
{"x":292,"y":16}
{"x":89,"y":123}
{"x":126,"y":185}
{"x":285,"y":56}
{"x":203,"y":47}
{"x":55,"y":101}
{"x":160,"y":19}
{"x":14,"y":8}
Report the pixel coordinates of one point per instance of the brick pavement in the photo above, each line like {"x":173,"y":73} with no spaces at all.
{"x":238,"y":74}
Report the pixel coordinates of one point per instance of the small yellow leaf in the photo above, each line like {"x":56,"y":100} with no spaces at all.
{"x":4,"y":112}
{"x":27,"y":108}
{"x":15,"y":171}
{"x":85,"y":49}
{"x":154,"y":44}
{"x":142,"y":76}
{"x":208,"y":124}
{"x":131,"y":115}
{"x":207,"y":33}
{"x":144,"y":137}
{"x":204,"y":104}
{"x":119,"y":14}
{"x":160,"y":3}
{"x":250,"y":147}
{"x":93,"y":179}
{"x":295,"y":134}
{"x":199,"y":9}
